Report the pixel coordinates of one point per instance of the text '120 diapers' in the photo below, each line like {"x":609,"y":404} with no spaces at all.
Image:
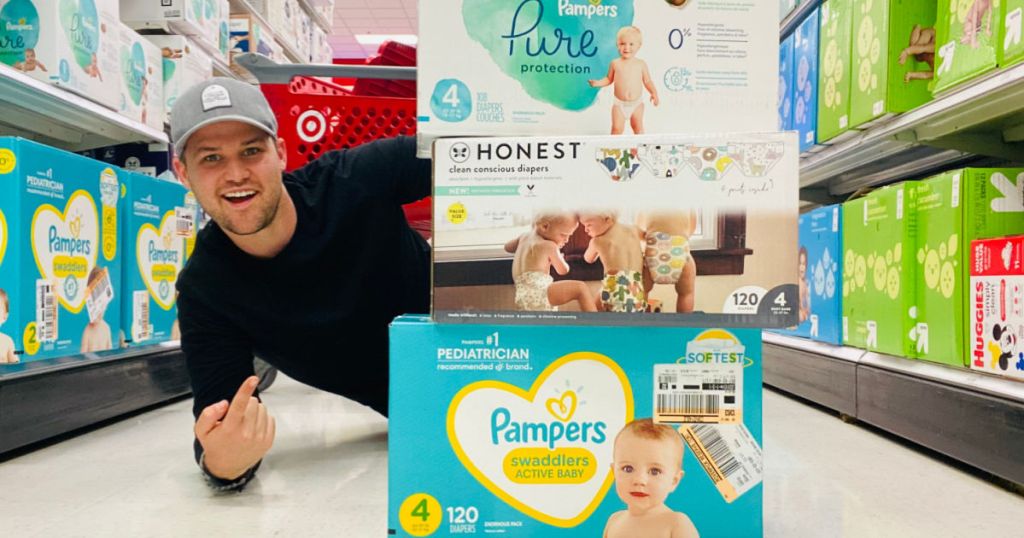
{"x":141,"y":79}
{"x":997,"y":306}
{"x":521,"y":67}
{"x":61,"y":213}
{"x":574,"y":431}
{"x":69,"y":43}
{"x":159,"y":225}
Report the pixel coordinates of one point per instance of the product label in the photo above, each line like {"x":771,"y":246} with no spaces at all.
{"x":99,"y":294}
{"x":695,"y":393}
{"x":46,"y":311}
{"x":729,"y":454}
{"x":141,"y":328}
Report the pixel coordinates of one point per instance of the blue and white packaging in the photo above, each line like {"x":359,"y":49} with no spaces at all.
{"x":786,"y":92}
{"x":821,"y":276}
{"x":531,"y":430}
{"x":62,"y":269}
{"x":159,"y":221}
{"x":805,"y":81}
{"x":140,"y":157}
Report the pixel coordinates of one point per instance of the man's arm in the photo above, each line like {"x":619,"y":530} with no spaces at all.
{"x":387,"y":168}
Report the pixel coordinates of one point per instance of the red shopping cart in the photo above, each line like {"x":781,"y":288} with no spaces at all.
{"x":315,"y":116}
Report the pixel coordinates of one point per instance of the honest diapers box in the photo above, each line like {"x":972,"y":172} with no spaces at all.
{"x":805,"y":81}
{"x":997,"y":306}
{"x":893,"y":58}
{"x":547,"y":431}
{"x":879,"y":236}
{"x":159,"y":219}
{"x":1011,"y":49}
{"x":184,"y":65}
{"x":68,"y":43}
{"x":520,"y":67}
{"x":966,"y":39}
{"x":820,"y":275}
{"x":786,"y":84}
{"x":64,"y":277}
{"x":834,"y":59}
{"x":141,"y":79}
{"x":652,"y":229}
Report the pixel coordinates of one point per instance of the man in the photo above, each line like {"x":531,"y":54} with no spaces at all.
{"x":306,"y":269}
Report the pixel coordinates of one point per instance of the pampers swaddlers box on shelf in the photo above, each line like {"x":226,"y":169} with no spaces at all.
{"x":68,"y":43}
{"x":997,"y":306}
{"x":520,"y":67}
{"x":523,"y":430}
{"x":61,"y":213}
{"x":805,"y":81}
{"x":159,"y":221}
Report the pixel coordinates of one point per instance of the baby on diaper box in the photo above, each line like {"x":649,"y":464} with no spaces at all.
{"x":521,"y":67}
{"x":141,"y":79}
{"x":61,"y":273}
{"x":578,"y":229}
{"x":519,"y":430}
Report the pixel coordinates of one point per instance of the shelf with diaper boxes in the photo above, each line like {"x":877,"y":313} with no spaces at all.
{"x":891,"y":90}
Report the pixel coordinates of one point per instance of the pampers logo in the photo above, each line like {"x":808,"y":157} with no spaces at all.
{"x":69,"y":245}
{"x":20,"y":26}
{"x":593,"y":8}
{"x":546,"y":450}
{"x":716,"y":346}
{"x":159,"y":255}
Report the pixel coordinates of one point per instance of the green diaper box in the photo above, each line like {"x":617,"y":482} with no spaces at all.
{"x":892,"y":55}
{"x":1012,"y":49}
{"x":878,"y":266}
{"x":834,"y":69}
{"x":965,"y":46}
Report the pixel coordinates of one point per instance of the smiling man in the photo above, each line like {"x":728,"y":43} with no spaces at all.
{"x":306,"y":268}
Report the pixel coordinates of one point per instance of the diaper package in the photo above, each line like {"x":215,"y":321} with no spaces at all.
{"x":820,"y":275}
{"x":68,"y":43}
{"x":805,"y":81}
{"x":997,"y":306}
{"x":966,"y":40}
{"x":523,"y":67}
{"x":786,"y":84}
{"x":148,"y":159}
{"x":879,"y":236}
{"x":834,"y":60}
{"x":159,"y":221}
{"x":141,"y":79}
{"x":654,"y":229}
{"x":248,"y":35}
{"x":184,"y":65}
{"x":62,"y":269}
{"x":183,"y":17}
{"x":1011,"y":50}
{"x":573,"y":431}
{"x":893,"y":58}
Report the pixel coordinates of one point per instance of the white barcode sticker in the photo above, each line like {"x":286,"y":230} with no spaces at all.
{"x":835,"y":219}
{"x":729,"y":454}
{"x":899,"y":204}
{"x":698,"y":393}
{"x":185,"y":221}
{"x":956,"y":191}
{"x":878,"y":108}
{"x":98,"y":295}
{"x":46,"y":311}
{"x":844,"y":121}
{"x":141,"y":329}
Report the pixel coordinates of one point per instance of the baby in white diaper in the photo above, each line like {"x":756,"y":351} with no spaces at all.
{"x":96,"y":336}
{"x":618,"y":247}
{"x":30,"y":63}
{"x":630,"y":76}
{"x":536,"y":253}
{"x":7,"y":355}
{"x":667,"y":258}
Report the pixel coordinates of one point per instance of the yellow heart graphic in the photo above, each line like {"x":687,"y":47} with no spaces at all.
{"x":3,"y":237}
{"x":562,"y":408}
{"x":73,"y":268}
{"x":167,"y":270}
{"x":486,"y":452}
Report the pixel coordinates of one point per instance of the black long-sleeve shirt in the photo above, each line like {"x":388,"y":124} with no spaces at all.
{"x":319,"y":310}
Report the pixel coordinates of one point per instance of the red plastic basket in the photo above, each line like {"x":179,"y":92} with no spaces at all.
{"x":314,"y":117}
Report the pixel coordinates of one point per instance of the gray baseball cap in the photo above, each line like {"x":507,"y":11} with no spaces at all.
{"x":215,"y":100}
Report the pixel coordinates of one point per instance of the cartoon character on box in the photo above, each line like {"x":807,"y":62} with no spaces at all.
{"x":1004,"y":347}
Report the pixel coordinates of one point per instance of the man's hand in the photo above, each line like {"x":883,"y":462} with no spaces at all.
{"x":237,"y":436}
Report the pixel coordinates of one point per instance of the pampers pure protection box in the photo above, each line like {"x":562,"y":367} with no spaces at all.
{"x":184,"y":65}
{"x":654,"y":229}
{"x":547,"y":431}
{"x":68,"y":43}
{"x":159,"y":221}
{"x":141,"y":79}
{"x":61,"y":213}
{"x":997,"y":306}
{"x":879,"y":236}
{"x":834,"y":56}
{"x":805,"y":81}
{"x":520,"y":67}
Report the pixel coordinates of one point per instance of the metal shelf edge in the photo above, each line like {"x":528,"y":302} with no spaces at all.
{"x":316,"y":17}
{"x":948,"y":375}
{"x":48,"y":366}
{"x":848,"y":354}
{"x":289,"y":48}
{"x":795,"y":17}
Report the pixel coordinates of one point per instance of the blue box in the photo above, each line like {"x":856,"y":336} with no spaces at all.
{"x":805,"y":81}
{"x":786,"y":80}
{"x":149,"y":159}
{"x":515,"y":427}
{"x":62,"y":266}
{"x":159,"y":223}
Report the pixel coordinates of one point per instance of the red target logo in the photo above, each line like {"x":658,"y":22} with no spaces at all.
{"x":311,"y":126}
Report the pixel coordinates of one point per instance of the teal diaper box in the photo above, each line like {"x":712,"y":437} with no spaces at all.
{"x":786,"y":84}
{"x":547,"y":431}
{"x":805,"y":81}
{"x":62,"y":267}
{"x":159,"y":220}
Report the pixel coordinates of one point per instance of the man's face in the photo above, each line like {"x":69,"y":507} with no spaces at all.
{"x":646,"y":471}
{"x":234,"y":169}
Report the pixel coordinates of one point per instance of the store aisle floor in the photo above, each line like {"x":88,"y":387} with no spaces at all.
{"x":327,"y":476}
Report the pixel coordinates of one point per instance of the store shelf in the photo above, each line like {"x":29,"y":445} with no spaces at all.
{"x":789,"y":24}
{"x":969,"y":416}
{"x":317,"y":18}
{"x":245,"y":8}
{"x":40,"y":400}
{"x":983,"y":117}
{"x":43,"y":112}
